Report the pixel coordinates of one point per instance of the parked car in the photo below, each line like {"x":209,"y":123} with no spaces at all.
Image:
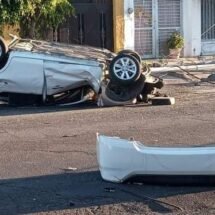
{"x":39,"y":72}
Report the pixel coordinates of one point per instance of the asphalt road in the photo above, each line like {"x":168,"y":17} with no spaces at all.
{"x":48,"y":156}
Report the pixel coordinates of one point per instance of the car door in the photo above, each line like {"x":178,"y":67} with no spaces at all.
{"x":62,"y":76}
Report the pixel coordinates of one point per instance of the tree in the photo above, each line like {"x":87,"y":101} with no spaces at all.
{"x":9,"y":11}
{"x":35,"y":16}
{"x":41,"y":15}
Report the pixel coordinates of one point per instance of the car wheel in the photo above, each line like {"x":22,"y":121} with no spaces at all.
{"x":125,"y":69}
{"x":132,"y":53}
{"x":3,"y":49}
{"x":119,"y":93}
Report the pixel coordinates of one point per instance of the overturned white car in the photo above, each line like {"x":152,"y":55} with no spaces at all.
{"x":38,"y":72}
{"x":121,"y":160}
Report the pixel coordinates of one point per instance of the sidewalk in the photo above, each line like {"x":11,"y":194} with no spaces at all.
{"x":176,"y":71}
{"x":201,"y":60}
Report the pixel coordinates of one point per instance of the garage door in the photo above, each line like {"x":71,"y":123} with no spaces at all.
{"x":155,"y":21}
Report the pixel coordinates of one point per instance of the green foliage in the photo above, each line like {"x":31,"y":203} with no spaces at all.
{"x":9,"y":11}
{"x":56,"y":11}
{"x":176,"y":41}
{"x":35,"y":16}
{"x":41,"y":15}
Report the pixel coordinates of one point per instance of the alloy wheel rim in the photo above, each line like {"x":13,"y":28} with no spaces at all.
{"x":125,"y":68}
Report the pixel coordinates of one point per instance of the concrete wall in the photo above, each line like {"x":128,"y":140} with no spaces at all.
{"x":192,"y":27}
{"x":129,"y":33}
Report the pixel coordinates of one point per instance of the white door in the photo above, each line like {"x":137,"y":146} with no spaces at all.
{"x":208,"y":26}
{"x":155,"y":21}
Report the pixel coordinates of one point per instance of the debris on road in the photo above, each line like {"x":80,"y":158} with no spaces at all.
{"x":122,"y":160}
{"x":209,"y":79}
{"x":163,"y":100}
{"x":70,"y":169}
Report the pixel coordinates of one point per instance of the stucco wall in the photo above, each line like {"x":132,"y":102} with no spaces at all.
{"x":192,"y":27}
{"x":129,"y":32}
{"x":118,"y":22}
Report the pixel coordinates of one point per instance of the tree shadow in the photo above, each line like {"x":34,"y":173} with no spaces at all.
{"x":80,"y":190}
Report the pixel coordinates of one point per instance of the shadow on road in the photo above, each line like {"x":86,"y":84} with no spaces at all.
{"x":80,"y":190}
{"x":6,"y":110}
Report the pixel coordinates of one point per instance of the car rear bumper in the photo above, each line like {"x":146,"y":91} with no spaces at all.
{"x":121,"y":159}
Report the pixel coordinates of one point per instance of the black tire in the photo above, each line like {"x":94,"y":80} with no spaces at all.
{"x":132,"y":53}
{"x":3,"y":49}
{"x":126,"y":63}
{"x":121,"y":93}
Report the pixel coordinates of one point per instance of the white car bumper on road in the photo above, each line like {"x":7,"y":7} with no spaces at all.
{"x":121,"y":159}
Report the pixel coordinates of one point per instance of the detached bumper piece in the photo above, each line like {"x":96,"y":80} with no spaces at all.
{"x":163,"y":100}
{"x":123,"y":160}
